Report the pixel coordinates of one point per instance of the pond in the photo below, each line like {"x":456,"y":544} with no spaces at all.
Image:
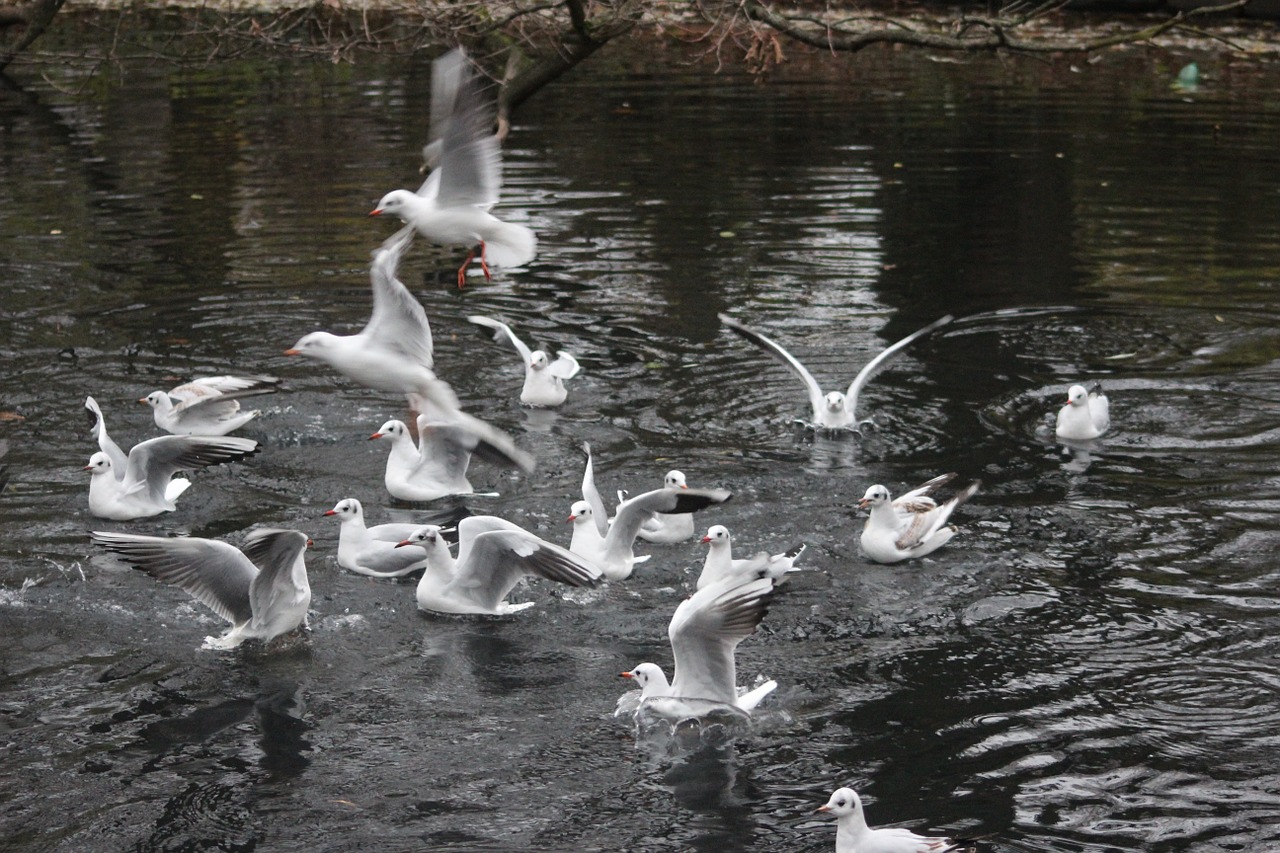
{"x":1090,"y":664}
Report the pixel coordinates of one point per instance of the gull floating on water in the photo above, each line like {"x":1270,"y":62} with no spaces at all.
{"x":854,"y":836}
{"x":667,"y":529}
{"x":140,"y":484}
{"x":911,"y":526}
{"x":493,"y":556}
{"x":209,"y":405}
{"x":373,"y":551}
{"x":833,"y":410}
{"x":705,"y":632}
{"x":1086,"y":415}
{"x":451,"y":208}
{"x":393,"y":352}
{"x":720,"y":567}
{"x":611,"y":547}
{"x":543,"y":378}
{"x":261,"y":589}
{"x":436,"y":466}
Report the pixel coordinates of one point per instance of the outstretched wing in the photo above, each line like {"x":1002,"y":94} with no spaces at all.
{"x":501,"y":329}
{"x":470,"y":161}
{"x":865,"y":374}
{"x":774,"y":349}
{"x":705,"y":631}
{"x":214,"y":573}
{"x":217,"y":396}
{"x":493,"y":555}
{"x":565,"y":366}
{"x":591,"y":495}
{"x":119,"y":462}
{"x":153,"y":463}
{"x":274,"y":553}
{"x":634,"y":512}
{"x":398,"y":321}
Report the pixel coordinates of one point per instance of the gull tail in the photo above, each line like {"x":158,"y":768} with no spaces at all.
{"x":510,"y":245}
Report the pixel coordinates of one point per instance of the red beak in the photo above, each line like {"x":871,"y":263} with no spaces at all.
{"x":706,"y":538}
{"x":292,"y":352}
{"x":375,"y":213}
{"x":625,"y":675}
{"x":571,"y":518}
{"x":403,"y":542}
{"x":330,"y":512}
{"x":375,"y":435}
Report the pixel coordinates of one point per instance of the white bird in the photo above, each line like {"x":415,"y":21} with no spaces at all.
{"x":119,"y":461}
{"x":833,"y":410}
{"x":705,"y":632}
{"x":543,"y":378}
{"x":261,"y":588}
{"x":613,"y":552}
{"x":668,"y":529}
{"x":721,"y":567}
{"x":373,"y":551}
{"x":147,"y":487}
{"x":393,"y":352}
{"x":436,"y":466}
{"x":451,"y":208}
{"x":911,"y":526}
{"x":209,"y":405}
{"x":854,"y":836}
{"x":493,"y":556}
{"x":1086,"y":415}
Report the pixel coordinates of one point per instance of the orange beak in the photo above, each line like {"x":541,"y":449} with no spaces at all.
{"x":293,"y":352}
{"x":375,"y":212}
{"x":329,"y":512}
{"x":863,"y":503}
{"x":375,"y":435}
{"x":403,"y":542}
{"x":625,"y":675}
{"x":142,"y":399}
{"x":822,"y":809}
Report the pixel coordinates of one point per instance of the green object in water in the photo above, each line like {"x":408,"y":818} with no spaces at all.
{"x":1189,"y":75}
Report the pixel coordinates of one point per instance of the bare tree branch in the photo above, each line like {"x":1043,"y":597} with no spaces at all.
{"x":31,"y":19}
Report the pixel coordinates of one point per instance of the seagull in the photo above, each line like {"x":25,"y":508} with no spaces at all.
{"x":668,"y":529}
{"x":393,"y":352}
{"x":119,"y":461}
{"x":1086,"y":415}
{"x":493,"y":556}
{"x":721,"y":567}
{"x":609,"y":545}
{"x":451,"y":207}
{"x":261,"y":589}
{"x":436,"y":466}
{"x":543,"y":378}
{"x":705,"y":632}
{"x":911,"y":526}
{"x":143,"y":485}
{"x":854,"y":836}
{"x":373,"y":551}
{"x":208,"y":405}
{"x":833,"y":410}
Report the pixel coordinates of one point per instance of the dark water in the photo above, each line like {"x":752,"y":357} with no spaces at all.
{"x":1090,"y":665}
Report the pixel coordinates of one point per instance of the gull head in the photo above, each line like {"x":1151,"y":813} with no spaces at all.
{"x":313,"y":344}
{"x":580,"y":512}
{"x":675,"y":480}
{"x":392,"y":429}
{"x":538,"y":360}
{"x":394,"y":203}
{"x":843,"y":802}
{"x":346,"y":509}
{"x":156,"y":399}
{"x":426,"y":536}
{"x":1077,"y":396}
{"x":834,"y":401}
{"x":717,"y":534}
{"x":98,"y":464}
{"x":875,"y":496}
{"x":650,"y":677}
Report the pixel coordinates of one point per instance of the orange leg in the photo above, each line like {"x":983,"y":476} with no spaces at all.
{"x":462,"y":270}
{"x":484,"y":265}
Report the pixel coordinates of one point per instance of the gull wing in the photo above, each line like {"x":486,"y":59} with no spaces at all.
{"x":774,"y":349}
{"x":446,"y":72}
{"x":214,"y":573}
{"x":927,"y":488}
{"x":591,"y":495}
{"x":152,"y":463}
{"x":119,"y":462}
{"x":501,"y":329}
{"x":565,"y":366}
{"x":470,"y":161}
{"x":704,"y":632}
{"x":397,"y":321}
{"x":215,"y":396}
{"x":274,"y":553}
{"x":493,"y":555}
{"x":634,"y":512}
{"x":865,"y":374}
{"x":445,"y":450}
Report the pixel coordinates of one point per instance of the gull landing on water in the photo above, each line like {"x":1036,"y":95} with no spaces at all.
{"x":262,"y":589}
{"x":705,"y":632}
{"x":833,"y":410}
{"x":543,"y":378}
{"x":854,"y":836}
{"x":493,"y":556}
{"x":209,"y":405}
{"x":451,"y":208}
{"x":911,"y":526}
{"x":1086,"y":415}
